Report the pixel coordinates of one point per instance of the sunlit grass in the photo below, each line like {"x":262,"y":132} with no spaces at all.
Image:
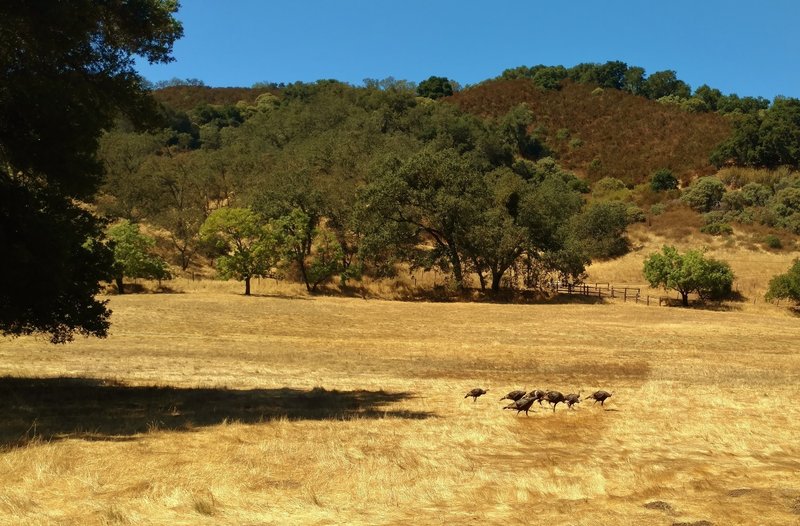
{"x":208,"y":407}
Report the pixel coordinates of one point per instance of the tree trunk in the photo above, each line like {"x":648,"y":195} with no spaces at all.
{"x":496,"y":277}
{"x":120,"y":287}
{"x":455,"y":260}
{"x":302,"y":263}
{"x":685,"y":298}
{"x":247,"y":286}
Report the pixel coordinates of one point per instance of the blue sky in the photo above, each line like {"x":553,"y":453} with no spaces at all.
{"x":738,"y":46}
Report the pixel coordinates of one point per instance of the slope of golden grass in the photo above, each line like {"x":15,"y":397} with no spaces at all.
{"x":208,"y":407}
{"x":627,"y":137}
{"x":753,"y":267}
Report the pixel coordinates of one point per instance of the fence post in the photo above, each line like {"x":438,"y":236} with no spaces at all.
{"x":625,"y":294}
{"x":612,"y":291}
{"x":648,"y":300}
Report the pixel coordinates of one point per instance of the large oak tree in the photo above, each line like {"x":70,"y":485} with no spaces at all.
{"x":66,"y":72}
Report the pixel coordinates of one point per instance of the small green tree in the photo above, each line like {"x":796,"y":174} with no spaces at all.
{"x":687,"y":273}
{"x":704,"y":194}
{"x":663,"y":180}
{"x":133,"y":255}
{"x":250,"y":247}
{"x":785,"y":286}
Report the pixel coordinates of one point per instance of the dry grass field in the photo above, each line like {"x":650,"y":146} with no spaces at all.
{"x":208,"y":407}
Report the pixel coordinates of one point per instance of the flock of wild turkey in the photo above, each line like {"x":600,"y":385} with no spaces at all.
{"x":522,"y":400}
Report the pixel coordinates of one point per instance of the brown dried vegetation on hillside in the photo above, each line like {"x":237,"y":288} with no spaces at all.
{"x":602,"y":133}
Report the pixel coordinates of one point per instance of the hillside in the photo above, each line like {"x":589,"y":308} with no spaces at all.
{"x":609,"y":132}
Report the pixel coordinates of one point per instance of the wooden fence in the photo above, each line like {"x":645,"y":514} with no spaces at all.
{"x":607,"y":290}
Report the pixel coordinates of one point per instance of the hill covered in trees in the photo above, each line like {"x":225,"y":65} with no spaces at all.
{"x":606,"y":132}
{"x":511,"y":182}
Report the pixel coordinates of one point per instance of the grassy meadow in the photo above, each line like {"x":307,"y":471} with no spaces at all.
{"x":207,"y":407}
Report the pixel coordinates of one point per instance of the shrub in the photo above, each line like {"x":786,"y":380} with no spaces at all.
{"x":785,"y":286}
{"x":704,"y":194}
{"x":635,"y":215}
{"x":773,"y":241}
{"x":663,"y":180}
{"x":609,"y":184}
{"x":576,"y":143}
{"x":657,"y":209}
{"x":717,"y":229}
{"x":562,"y":134}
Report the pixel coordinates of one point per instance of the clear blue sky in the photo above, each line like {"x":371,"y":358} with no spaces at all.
{"x":738,"y":46}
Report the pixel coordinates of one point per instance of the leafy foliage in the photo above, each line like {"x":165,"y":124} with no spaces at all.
{"x":133,"y":255}
{"x":785,"y":286}
{"x":600,"y":229}
{"x":689,"y":272}
{"x":435,"y":87}
{"x":769,"y":138}
{"x":704,"y":194}
{"x":663,"y":180}
{"x":249,"y":247}
{"x":58,"y":91}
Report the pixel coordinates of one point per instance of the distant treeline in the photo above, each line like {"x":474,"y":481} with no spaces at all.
{"x":664,"y":86}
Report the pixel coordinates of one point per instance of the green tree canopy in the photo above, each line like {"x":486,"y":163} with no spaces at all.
{"x":785,"y":286}
{"x":249,"y":246}
{"x":704,"y":194}
{"x":435,"y":87}
{"x":690,"y":272}
{"x":133,"y":255}
{"x":768,"y":138}
{"x":66,"y":72}
{"x":663,"y":180}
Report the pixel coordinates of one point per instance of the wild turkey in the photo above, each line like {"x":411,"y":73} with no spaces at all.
{"x":514,"y":395}
{"x":599,"y":396}
{"x":555,"y":398}
{"x":537,"y":395}
{"x":572,"y":399}
{"x":475,"y":393}
{"x":523,"y":404}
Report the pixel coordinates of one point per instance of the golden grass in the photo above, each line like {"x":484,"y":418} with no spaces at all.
{"x":208,"y":407}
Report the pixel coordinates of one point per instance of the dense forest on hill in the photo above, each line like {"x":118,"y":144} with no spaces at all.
{"x":511,"y":182}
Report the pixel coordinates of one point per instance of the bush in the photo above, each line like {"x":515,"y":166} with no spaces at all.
{"x":663,"y":180}
{"x":657,"y":209}
{"x":773,"y":242}
{"x":562,"y":134}
{"x":704,"y":194}
{"x":576,"y":143}
{"x":785,"y":286}
{"x":609,"y":184}
{"x":635,"y":215}
{"x":717,"y":229}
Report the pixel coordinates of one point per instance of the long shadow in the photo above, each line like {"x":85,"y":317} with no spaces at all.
{"x":54,"y":408}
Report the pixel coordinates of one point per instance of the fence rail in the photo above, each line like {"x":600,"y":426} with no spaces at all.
{"x":607,"y":290}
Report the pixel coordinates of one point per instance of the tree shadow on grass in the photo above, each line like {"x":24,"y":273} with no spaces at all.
{"x":56,"y":408}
